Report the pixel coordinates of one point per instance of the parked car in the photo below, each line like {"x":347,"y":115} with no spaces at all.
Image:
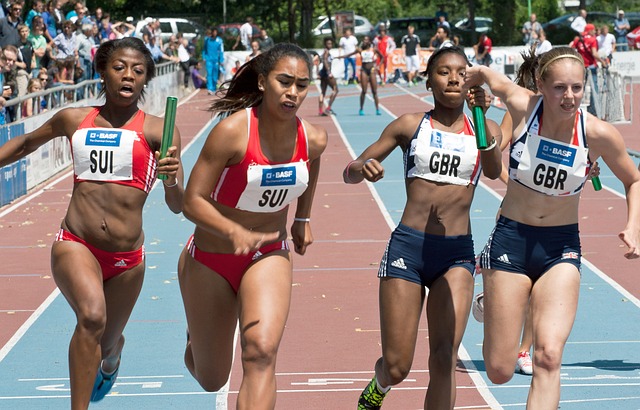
{"x":169,"y":25}
{"x":559,"y":31}
{"x":362,"y":26}
{"x":425,"y":28}
{"x":229,"y":32}
{"x":462,"y":29}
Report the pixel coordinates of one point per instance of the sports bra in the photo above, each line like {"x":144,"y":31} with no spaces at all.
{"x":116,"y":155}
{"x":548,"y":166}
{"x":441,"y":156}
{"x":367,"y":56}
{"x":256,"y":184}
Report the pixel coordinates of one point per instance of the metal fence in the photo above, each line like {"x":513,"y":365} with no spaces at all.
{"x":611,"y":98}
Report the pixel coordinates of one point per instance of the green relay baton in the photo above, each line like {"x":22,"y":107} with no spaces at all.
{"x":596,"y":183}
{"x":478,"y":122}
{"x":167,"y":131}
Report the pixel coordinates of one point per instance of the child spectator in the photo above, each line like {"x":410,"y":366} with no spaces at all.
{"x":32,"y":105}
{"x":199,"y":81}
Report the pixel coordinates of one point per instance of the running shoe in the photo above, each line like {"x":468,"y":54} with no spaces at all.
{"x":524,"y":365}
{"x":378,"y":112}
{"x":477,"y":307}
{"x":103,"y":384}
{"x":361,"y":112}
{"x":371,"y":398}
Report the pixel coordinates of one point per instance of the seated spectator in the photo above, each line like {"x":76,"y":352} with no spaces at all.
{"x":199,"y":81}
{"x":106,"y":28}
{"x":266,"y":42}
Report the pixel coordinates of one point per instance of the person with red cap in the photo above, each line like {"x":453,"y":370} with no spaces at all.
{"x":587,"y":46}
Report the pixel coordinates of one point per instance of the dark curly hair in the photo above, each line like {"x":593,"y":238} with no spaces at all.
{"x":106,"y":50}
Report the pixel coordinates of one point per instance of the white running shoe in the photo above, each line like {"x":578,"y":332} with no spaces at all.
{"x":477,"y":307}
{"x":524,"y":365}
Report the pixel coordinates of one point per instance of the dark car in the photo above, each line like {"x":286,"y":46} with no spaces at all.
{"x":463,"y":30}
{"x":425,"y":28}
{"x":229,"y":32}
{"x":559,"y":31}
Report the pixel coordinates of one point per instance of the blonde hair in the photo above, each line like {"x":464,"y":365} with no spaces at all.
{"x":555,"y":54}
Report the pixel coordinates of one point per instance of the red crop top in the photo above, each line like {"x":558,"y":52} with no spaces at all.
{"x":116,"y":155}
{"x":258,"y":185}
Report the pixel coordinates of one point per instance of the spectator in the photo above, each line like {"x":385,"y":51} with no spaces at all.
{"x":66,"y":43}
{"x":441,"y":12}
{"x":80,"y":14}
{"x":255,"y":51}
{"x":606,"y":44}
{"x":26,"y":60}
{"x":245,"y":35}
{"x":441,"y":39}
{"x":98,"y":16}
{"x":36,"y":10}
{"x":213,"y":55}
{"x":348,"y":44}
{"x":442,"y":21}
{"x":483,"y":50}
{"x":199,"y":81}
{"x":85,"y":49}
{"x":32,"y":105}
{"x":9,"y":26}
{"x":542,"y":44}
{"x":587,"y":47}
{"x":621,"y":27}
{"x":52,"y":18}
{"x":148,"y":30}
{"x":106,"y":28}
{"x":156,"y":52}
{"x":531,"y":30}
{"x":123,"y":29}
{"x":411,"y":53}
{"x":39,"y":43}
{"x":266,"y":42}
{"x":385,"y":45}
{"x":186,"y":60}
{"x":580,"y":22}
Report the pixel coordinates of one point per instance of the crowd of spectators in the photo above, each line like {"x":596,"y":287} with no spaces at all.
{"x":44,"y":47}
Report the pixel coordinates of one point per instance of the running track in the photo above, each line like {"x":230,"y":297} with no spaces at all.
{"x":332,"y":336}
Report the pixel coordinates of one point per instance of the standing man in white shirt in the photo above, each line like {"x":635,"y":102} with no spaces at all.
{"x":580,"y":22}
{"x":246,"y":34}
{"x":348,"y":44}
{"x":606,"y":44}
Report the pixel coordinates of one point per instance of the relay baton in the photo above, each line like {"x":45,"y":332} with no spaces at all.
{"x":478,"y":122}
{"x":596,"y":183}
{"x":167,"y":131}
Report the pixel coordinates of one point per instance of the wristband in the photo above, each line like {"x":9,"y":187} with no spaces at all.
{"x":172,"y":185}
{"x":346,"y":171}
{"x":302,"y":219}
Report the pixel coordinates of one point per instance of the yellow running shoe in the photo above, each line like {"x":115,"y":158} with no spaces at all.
{"x":371,"y":398}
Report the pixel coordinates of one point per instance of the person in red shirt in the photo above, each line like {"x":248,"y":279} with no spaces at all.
{"x":587,"y":46}
{"x":385,"y":45}
{"x":483,"y":50}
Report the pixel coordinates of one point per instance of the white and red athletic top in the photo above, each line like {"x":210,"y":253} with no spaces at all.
{"x":256,"y":184}
{"x":116,"y":155}
{"x":440,"y":156}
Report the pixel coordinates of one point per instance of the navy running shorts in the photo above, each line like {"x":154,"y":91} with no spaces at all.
{"x":530,"y":250}
{"x":422,"y":258}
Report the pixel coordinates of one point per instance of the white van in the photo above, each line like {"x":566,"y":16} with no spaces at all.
{"x":168,"y":25}
{"x":362,"y":26}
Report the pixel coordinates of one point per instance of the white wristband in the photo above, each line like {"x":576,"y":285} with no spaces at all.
{"x":492,"y":146}
{"x":172,"y":185}
{"x":302,"y":219}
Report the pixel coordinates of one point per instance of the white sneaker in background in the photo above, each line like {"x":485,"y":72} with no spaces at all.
{"x":477,"y":307}
{"x":524,"y":365}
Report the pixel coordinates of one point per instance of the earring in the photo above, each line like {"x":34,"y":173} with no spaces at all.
{"x":261,"y":88}
{"x":101,"y":80}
